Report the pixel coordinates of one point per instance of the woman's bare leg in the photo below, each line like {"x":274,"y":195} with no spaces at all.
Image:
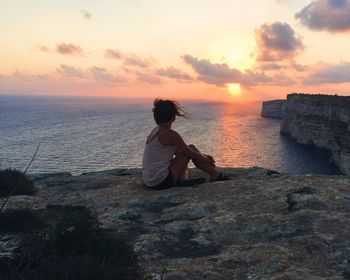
{"x":206,"y":167}
{"x":178,"y":167}
{"x":184,"y":175}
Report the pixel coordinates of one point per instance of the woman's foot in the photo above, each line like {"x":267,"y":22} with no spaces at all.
{"x":220,"y":177}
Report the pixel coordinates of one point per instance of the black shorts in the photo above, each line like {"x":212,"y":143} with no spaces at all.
{"x":167,"y":183}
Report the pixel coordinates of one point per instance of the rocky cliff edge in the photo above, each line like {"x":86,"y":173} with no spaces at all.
{"x":259,"y":225}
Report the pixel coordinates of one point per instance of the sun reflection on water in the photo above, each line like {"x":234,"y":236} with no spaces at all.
{"x":245,"y":138}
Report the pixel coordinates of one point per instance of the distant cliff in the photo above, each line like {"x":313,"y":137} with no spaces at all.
{"x":273,"y":108}
{"x":320,"y":120}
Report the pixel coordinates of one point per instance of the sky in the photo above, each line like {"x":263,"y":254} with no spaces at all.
{"x":222,"y":50}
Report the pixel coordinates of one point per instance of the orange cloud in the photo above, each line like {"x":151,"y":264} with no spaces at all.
{"x":43,"y":48}
{"x":323,"y":73}
{"x":69,"y":49}
{"x":149,"y":78}
{"x":174,"y":73}
{"x":220,"y":74}
{"x":113,"y":54}
{"x":103,"y":75}
{"x":69,"y":71}
{"x":129,"y":59}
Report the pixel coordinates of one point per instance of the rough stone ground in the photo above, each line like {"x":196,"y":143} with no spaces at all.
{"x":254,"y":226}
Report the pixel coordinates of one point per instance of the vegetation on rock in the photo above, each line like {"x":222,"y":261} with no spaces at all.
{"x":15,"y":182}
{"x":70,"y":246}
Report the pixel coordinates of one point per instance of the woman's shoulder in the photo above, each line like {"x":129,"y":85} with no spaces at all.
{"x":168,"y":132}
{"x":167,"y":136}
{"x":152,"y":135}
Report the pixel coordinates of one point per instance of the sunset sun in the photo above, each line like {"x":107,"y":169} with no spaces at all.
{"x":234,"y":89}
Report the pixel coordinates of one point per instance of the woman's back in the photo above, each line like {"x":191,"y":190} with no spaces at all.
{"x":156,"y":160}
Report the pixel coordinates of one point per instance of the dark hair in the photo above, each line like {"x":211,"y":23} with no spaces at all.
{"x":165,"y":110}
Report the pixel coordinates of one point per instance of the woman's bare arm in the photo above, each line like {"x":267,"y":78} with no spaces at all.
{"x":173,"y":138}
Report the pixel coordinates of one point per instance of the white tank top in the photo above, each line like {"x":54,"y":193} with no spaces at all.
{"x":156,"y":162}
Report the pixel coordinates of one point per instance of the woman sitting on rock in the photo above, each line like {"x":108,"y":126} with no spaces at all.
{"x":166,"y":155}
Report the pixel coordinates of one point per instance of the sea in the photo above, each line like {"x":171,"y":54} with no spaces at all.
{"x":78,"y":135}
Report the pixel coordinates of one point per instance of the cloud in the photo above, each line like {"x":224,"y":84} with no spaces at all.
{"x":289,"y":65}
{"x":52,"y":83}
{"x":136,"y":61}
{"x":270,"y":66}
{"x":69,"y":49}
{"x":103,"y":75}
{"x":43,"y":48}
{"x":174,"y":73}
{"x":86,"y":76}
{"x":282,"y":80}
{"x":148,"y":78}
{"x":329,"y":15}
{"x":253,"y":78}
{"x":213,"y":73}
{"x":277,"y":41}
{"x":221,"y":74}
{"x":86,"y":14}
{"x":93,"y":73}
{"x":113,"y":54}
{"x":69,"y":71}
{"x":60,"y":81}
{"x":21,"y":77}
{"x":129,"y":59}
{"x":329,"y":73}
{"x":298,"y":67}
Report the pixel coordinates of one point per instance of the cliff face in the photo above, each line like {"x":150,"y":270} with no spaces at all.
{"x":259,"y":225}
{"x":273,"y":108}
{"x":321,"y":120}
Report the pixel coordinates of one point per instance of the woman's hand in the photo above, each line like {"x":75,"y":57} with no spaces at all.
{"x":211,"y":159}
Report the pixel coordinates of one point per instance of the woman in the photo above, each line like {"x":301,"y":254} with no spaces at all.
{"x":161,"y":169}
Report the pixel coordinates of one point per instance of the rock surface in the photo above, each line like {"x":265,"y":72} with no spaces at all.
{"x":259,"y":225}
{"x":273,"y":108}
{"x":320,"y":120}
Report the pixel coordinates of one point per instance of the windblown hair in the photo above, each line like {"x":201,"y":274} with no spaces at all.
{"x":165,"y":110}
